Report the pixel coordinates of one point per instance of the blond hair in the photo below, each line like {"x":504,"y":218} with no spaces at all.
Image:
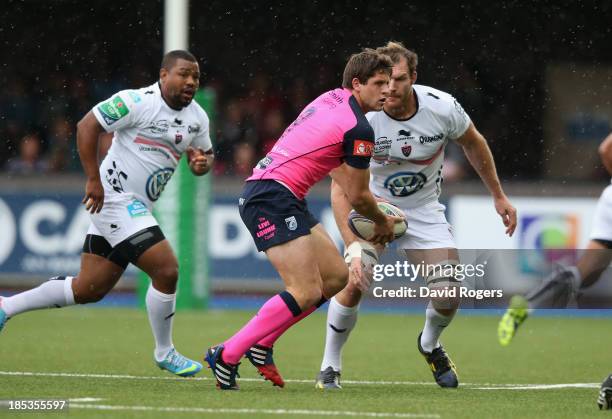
{"x":396,"y":51}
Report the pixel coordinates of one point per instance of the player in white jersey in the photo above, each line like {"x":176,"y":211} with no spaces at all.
{"x":565,"y":283}
{"x":152,"y":128}
{"x":411,"y":133}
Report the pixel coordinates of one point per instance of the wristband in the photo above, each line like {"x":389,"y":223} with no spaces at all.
{"x":355,"y":250}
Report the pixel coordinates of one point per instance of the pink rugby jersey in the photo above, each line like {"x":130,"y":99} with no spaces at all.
{"x":330,"y":131}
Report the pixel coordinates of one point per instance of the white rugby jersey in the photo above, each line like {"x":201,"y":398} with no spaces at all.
{"x":406,"y":167}
{"x":149,"y":139}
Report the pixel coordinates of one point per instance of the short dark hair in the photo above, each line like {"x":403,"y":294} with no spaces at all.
{"x":170,"y":58}
{"x":364,"y":65}
{"x":396,"y":50}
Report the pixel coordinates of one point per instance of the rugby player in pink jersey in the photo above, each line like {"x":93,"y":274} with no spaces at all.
{"x":330,"y":134}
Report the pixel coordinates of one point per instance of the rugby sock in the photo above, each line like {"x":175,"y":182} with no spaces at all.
{"x":56,"y":292}
{"x":269,"y":340}
{"x":435,"y":323}
{"x":275,"y":313}
{"x":160,"y":308}
{"x":340,"y":322}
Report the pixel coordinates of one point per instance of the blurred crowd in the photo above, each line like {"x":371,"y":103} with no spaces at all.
{"x":265,"y":61}
{"x":39,"y":131}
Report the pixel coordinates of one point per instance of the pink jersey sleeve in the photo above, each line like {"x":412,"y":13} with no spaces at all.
{"x":330,"y":131}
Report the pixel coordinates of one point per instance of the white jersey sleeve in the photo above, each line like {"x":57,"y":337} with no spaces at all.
{"x":202,"y":139}
{"x":459,"y":121}
{"x":121,"y":110}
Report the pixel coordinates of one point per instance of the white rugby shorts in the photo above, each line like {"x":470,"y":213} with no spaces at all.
{"x":427,"y":228}
{"x":122,"y":216}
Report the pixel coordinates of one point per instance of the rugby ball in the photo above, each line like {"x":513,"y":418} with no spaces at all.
{"x":363,"y":227}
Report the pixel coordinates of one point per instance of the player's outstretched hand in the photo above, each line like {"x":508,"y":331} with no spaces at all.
{"x":508,"y":214}
{"x":198,"y":161}
{"x":94,"y":196}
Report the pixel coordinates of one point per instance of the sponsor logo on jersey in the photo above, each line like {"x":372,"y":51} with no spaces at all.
{"x":265,"y":162}
{"x":381,"y":144}
{"x":363,"y":148}
{"x":177,"y":123}
{"x":404,"y":135}
{"x":423,"y":139}
{"x":336,"y":97}
{"x":159,"y":127}
{"x":405,"y":183}
{"x":157,"y":144}
{"x":381,"y":148}
{"x":113,"y":110}
{"x":193,"y":128}
{"x":157,"y":182}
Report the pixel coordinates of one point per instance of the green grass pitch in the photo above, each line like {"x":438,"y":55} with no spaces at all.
{"x":105,"y":356}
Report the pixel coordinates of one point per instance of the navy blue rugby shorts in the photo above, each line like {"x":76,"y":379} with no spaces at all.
{"x":273,"y":214}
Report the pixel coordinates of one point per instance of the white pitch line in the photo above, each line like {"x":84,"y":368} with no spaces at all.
{"x":540,"y":386}
{"x":474,"y":386}
{"x":283,"y":412}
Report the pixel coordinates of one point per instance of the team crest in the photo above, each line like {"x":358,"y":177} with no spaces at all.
{"x":406,"y":150}
{"x":363,"y":148}
{"x":178,"y":138}
{"x":291,"y":223}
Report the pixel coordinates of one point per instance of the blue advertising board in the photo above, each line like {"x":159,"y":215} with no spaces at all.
{"x":42,"y":235}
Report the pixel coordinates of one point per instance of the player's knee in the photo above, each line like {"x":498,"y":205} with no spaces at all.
{"x":167,"y":274}
{"x":442,"y":280}
{"x":336,"y":282}
{"x":350,"y":296}
{"x":311,"y":299}
{"x":445,"y":302}
{"x":307,"y":297}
